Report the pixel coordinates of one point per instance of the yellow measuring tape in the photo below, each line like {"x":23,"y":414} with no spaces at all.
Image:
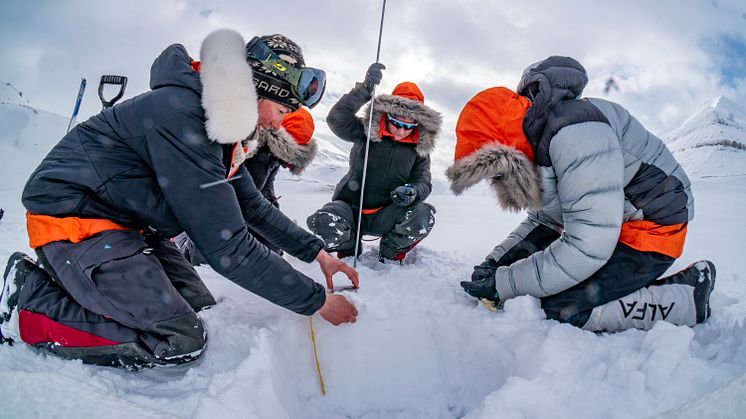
{"x":316,"y":356}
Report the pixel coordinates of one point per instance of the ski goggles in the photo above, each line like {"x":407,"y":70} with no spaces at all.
{"x":307,"y":84}
{"x":400,"y":124}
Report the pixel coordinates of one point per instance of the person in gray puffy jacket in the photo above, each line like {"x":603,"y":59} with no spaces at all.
{"x":109,"y":287}
{"x":608,"y":205}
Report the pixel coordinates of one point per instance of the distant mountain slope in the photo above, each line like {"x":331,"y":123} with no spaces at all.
{"x":26,"y":136}
{"x":10,"y":95}
{"x":712,"y":142}
{"x":24,"y":126}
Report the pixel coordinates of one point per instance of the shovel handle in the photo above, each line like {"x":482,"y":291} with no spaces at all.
{"x":120,"y":81}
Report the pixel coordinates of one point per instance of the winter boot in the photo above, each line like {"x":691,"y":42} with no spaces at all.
{"x":701,"y":276}
{"x":398,"y":256}
{"x":18,"y":268}
{"x":345,"y":254}
{"x":341,"y":254}
{"x":681,"y":299}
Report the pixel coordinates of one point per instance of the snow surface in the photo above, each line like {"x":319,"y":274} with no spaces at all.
{"x":420,"y":348}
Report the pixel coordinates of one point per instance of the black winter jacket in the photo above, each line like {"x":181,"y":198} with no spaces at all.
{"x":390,"y":163}
{"x":149,"y":162}
{"x":263,"y":168}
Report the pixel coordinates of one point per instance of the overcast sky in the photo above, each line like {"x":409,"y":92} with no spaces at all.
{"x":667,"y":57}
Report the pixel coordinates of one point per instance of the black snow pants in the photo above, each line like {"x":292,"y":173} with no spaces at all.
{"x":400,"y":228}
{"x":627,"y":271}
{"x":118,"y":298}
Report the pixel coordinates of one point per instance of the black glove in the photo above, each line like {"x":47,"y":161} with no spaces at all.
{"x":373,"y":76}
{"x":404,"y":195}
{"x":482,"y":284}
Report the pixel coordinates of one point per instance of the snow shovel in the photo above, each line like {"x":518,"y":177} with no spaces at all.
{"x":120,"y":81}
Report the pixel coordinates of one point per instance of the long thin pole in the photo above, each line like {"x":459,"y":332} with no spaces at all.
{"x":367,"y":144}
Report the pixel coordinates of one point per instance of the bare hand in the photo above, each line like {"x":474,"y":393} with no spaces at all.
{"x":337,"y":310}
{"x":330,"y":265}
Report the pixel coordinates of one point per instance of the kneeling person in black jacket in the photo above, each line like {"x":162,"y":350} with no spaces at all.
{"x":109,"y":288}
{"x":398,"y":174}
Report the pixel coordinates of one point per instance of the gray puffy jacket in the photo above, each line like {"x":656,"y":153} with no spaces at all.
{"x":598,"y":167}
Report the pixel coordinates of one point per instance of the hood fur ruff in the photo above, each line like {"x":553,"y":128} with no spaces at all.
{"x":429,"y":120}
{"x":519,"y":185}
{"x":282,"y":145}
{"x":228,"y":94}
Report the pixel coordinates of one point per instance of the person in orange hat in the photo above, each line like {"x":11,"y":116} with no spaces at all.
{"x":608,"y":205}
{"x":291,"y":146}
{"x":398,"y":171}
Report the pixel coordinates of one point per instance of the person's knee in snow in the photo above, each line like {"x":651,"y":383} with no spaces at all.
{"x":35,"y":310}
{"x":417,"y":221}
{"x":682,"y":299}
{"x":335,"y":231}
{"x":412,"y":226}
{"x":181,"y":339}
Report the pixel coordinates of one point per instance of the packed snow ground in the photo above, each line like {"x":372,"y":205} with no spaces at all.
{"x":420,"y":347}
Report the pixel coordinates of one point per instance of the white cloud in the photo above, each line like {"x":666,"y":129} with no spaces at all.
{"x":451,"y":48}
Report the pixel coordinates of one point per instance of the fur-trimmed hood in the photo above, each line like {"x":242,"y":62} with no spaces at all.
{"x":283,"y":146}
{"x":490,"y":144}
{"x":223,"y":81}
{"x":228,"y":94}
{"x":430,"y":121}
{"x":513,"y":176}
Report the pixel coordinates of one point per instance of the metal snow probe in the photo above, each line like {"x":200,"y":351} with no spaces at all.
{"x":360,"y":212}
{"x":367,"y":145}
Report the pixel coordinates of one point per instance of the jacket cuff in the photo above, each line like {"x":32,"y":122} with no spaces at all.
{"x":319,"y":298}
{"x":313,"y":250}
{"x":361,"y":91}
{"x":505,"y":290}
{"x":422,"y":191}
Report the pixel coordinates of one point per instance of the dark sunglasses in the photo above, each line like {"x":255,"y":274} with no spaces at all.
{"x":307,"y":84}
{"x":400,"y":124}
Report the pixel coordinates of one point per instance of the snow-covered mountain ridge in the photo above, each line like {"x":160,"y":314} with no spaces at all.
{"x":712,"y":142}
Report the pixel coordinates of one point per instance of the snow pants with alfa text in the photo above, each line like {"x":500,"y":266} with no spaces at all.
{"x":118,"y":298}
{"x":626,"y":271}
